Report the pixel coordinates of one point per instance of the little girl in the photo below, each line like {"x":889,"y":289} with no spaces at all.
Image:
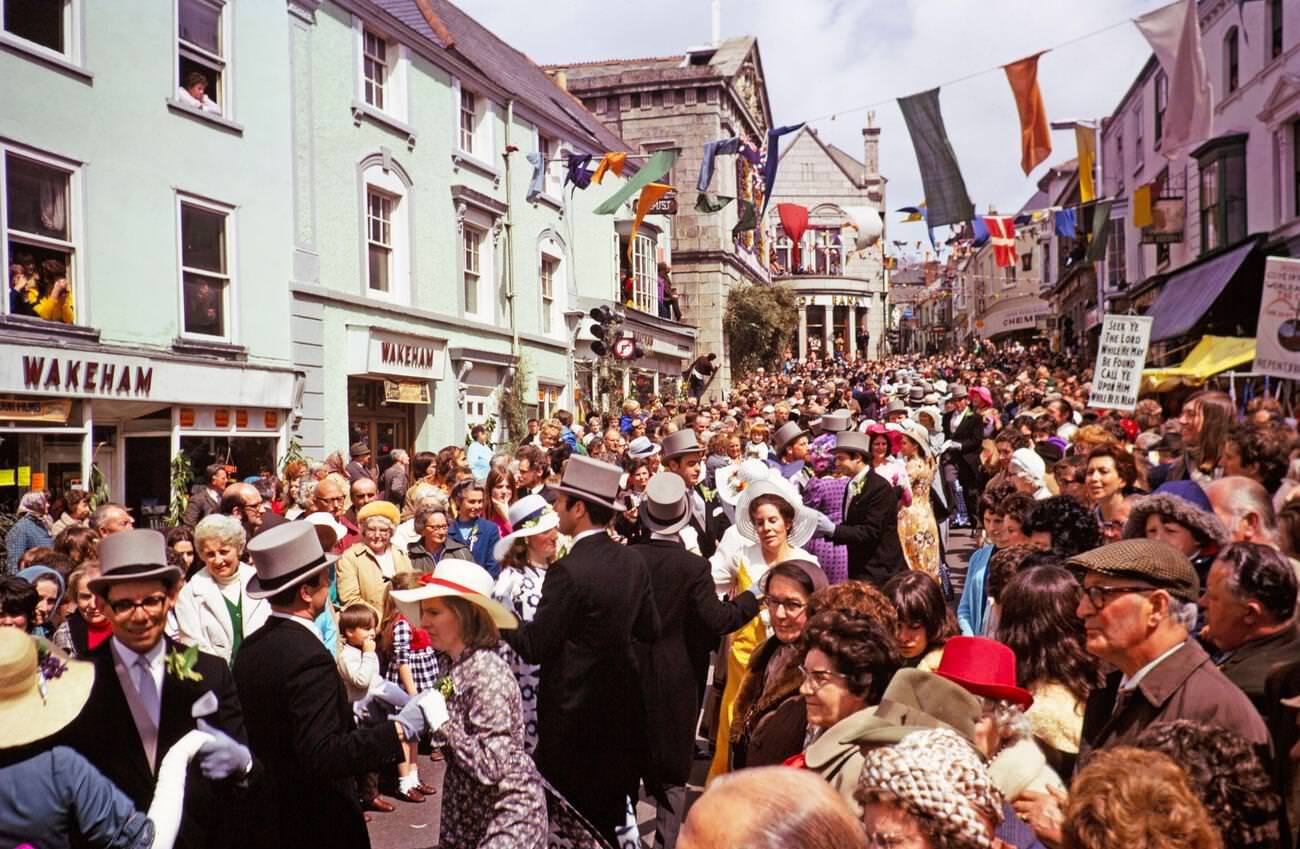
{"x":410,"y":662}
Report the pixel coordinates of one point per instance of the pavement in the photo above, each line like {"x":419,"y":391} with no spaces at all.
{"x":417,"y":826}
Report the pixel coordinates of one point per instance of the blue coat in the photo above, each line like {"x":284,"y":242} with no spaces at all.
{"x":480,"y":537}
{"x":27,"y":533}
{"x":974,"y":596}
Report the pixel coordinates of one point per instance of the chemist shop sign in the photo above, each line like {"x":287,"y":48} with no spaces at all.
{"x":1120,"y":358}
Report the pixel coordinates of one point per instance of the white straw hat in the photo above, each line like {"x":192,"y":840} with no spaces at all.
{"x":41,"y":690}
{"x":805,"y":519}
{"x":529,"y":516}
{"x":457,"y":578}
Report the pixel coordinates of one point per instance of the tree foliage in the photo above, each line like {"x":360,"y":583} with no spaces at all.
{"x":759,"y":323}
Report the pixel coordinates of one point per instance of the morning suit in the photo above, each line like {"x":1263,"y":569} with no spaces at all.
{"x":870,"y":531}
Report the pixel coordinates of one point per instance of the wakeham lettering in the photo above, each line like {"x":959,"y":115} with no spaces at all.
{"x":409,"y":356}
{"x":90,"y":376}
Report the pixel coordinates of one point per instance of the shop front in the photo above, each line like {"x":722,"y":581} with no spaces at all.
{"x":391,"y":382}
{"x":837,"y":321}
{"x":1020,"y":318}
{"x":114,"y":422}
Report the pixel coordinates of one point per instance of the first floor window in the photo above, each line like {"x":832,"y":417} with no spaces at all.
{"x":550,"y":268}
{"x":1223,"y":197}
{"x":379,"y":238}
{"x":472,"y":248}
{"x":205,"y":278}
{"x":43,"y":22}
{"x":640,"y":289}
{"x":38,"y":239}
{"x":201,"y":65}
{"x":1009,"y":277}
{"x":1116,"y":259}
{"x":1295,"y":166}
{"x":1027,"y":261}
{"x":468,"y":120}
{"x":1162,"y":101}
{"x":375,"y":68}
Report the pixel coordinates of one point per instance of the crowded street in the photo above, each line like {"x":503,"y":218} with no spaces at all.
{"x":469,"y":425}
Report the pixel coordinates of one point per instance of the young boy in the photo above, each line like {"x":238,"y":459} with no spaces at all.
{"x":358,"y":663}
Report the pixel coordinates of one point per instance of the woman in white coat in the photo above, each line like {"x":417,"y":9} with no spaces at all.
{"x":213,"y":610}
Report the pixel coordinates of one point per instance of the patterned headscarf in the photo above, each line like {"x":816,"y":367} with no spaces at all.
{"x":940,"y":780}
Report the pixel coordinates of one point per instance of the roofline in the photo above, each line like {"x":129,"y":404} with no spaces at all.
{"x":825,"y":146}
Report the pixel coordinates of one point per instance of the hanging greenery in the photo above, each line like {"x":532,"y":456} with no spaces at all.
{"x":294,"y":453}
{"x":182,"y":478}
{"x":99,"y":493}
{"x":759,"y":322}
{"x":512,"y":402}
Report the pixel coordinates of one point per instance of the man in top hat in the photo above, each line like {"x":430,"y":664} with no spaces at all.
{"x":596,"y":600}
{"x":675,"y":667}
{"x":360,"y":466}
{"x":870,"y":526}
{"x":790,"y":444}
{"x":895,"y":412}
{"x":300,"y":723}
{"x":684,"y":456}
{"x":146,"y":692}
{"x":964,"y":431}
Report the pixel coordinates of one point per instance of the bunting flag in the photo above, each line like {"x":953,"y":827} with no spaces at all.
{"x":774,"y":158}
{"x":1002,"y":235}
{"x":610,"y":162}
{"x":748,"y":217}
{"x":866,"y":221}
{"x":1086,"y":140}
{"x":709,"y":202}
{"x":1142,"y":206}
{"x":577,"y":171}
{"x":711,"y":151}
{"x":945,"y":191}
{"x":1035,"y":136}
{"x":794,"y":221}
{"x":1066,"y":224}
{"x":1174,"y":33}
{"x":649,"y":195}
{"x":980,"y":232}
{"x":914,"y":213}
{"x":651,"y":170}
{"x":1100,"y":231}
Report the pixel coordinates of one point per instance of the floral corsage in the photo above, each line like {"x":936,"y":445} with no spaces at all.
{"x":180,"y":664}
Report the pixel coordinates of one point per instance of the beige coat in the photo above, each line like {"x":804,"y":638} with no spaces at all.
{"x":360,"y":578}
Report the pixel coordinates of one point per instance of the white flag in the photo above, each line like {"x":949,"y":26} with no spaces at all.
{"x":866,"y":220}
{"x":1174,"y":32}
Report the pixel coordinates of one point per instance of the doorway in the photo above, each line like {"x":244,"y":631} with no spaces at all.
{"x":380,"y":424}
{"x":148,"y":479}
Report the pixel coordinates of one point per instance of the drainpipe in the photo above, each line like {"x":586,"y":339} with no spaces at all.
{"x":509,"y":225}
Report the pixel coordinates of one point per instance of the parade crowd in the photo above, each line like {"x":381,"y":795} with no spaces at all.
{"x":763,"y":579}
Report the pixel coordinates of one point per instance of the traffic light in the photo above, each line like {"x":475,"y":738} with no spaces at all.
{"x":605,"y":330}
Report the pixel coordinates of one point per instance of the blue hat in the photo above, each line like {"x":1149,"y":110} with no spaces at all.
{"x":1189,"y":491}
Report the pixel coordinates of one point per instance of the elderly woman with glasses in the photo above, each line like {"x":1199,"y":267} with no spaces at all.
{"x":213,"y":610}
{"x":365,"y":569}
{"x":434,"y":543}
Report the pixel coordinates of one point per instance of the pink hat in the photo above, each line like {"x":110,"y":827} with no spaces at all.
{"x":982,"y":393}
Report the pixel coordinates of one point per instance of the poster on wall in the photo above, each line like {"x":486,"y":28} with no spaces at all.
{"x":1120,"y":357}
{"x":1277,"y":336}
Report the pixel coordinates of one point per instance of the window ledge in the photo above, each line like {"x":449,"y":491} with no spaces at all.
{"x":365,"y":112}
{"x":54,"y":328}
{"x":45,"y":56}
{"x":194,"y":345}
{"x":461,"y":159}
{"x":548,"y":199}
{"x":207,"y":117}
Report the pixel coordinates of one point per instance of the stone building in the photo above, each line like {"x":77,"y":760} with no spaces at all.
{"x":685,"y":102}
{"x":841,"y":292}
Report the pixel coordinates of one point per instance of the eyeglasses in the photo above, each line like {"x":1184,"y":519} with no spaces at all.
{"x":818,"y":677}
{"x":793,"y":606}
{"x":1099,"y":595}
{"x":338,"y":499}
{"x":435,"y":527}
{"x":152,"y":605}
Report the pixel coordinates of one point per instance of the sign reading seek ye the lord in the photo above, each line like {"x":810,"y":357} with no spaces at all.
{"x":1277,"y":337}
{"x":1120,"y":358}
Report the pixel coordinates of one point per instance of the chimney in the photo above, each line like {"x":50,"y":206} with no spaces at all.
{"x":560,"y":77}
{"x":871,"y":150}
{"x":717,"y":22}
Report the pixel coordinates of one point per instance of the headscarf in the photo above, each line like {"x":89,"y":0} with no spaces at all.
{"x":34,"y":503}
{"x":939,"y":779}
{"x":1027,"y":462}
{"x":32,"y":574}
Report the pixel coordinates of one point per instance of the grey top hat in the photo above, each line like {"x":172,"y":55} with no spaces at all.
{"x":786,"y":434}
{"x":131,"y":556}
{"x":851,"y":440}
{"x":593,"y":480}
{"x":958,"y":392}
{"x":681,"y":442}
{"x":359,"y":449}
{"x":896,"y":406}
{"x":834,"y":422}
{"x":666,"y":507}
{"x":285,"y":556}
{"x":916,"y":396}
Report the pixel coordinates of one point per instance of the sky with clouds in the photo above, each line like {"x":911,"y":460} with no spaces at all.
{"x":826,"y":56}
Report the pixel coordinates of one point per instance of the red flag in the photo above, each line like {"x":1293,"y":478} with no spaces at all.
{"x":1035,"y":139}
{"x":794,"y":220}
{"x":1002,"y":236}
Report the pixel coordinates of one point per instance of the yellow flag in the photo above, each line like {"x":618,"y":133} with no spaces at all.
{"x":1142,"y":206}
{"x":1087,"y":142}
{"x":649,"y":195}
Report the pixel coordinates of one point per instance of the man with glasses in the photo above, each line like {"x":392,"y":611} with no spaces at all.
{"x":146,"y":688}
{"x":329,"y":498}
{"x":1139,"y":599}
{"x":245,"y":503}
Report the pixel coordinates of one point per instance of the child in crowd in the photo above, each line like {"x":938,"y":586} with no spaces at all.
{"x":358,"y":663}
{"x":410,"y":662}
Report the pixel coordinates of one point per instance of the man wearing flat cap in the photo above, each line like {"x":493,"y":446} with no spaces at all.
{"x":1139,"y":596}
{"x":359,"y":467}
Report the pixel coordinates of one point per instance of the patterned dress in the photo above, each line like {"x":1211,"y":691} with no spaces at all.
{"x":411,"y":647}
{"x":520,"y":591}
{"x":826,"y":495}
{"x":917,"y":529}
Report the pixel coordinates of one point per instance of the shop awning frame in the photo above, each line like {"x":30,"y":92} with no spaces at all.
{"x":1189,"y":293}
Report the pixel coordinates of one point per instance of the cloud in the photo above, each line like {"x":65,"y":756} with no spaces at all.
{"x":824,"y":57}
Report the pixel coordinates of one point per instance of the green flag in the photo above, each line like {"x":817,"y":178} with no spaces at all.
{"x":748,"y":218}
{"x":709,"y":202}
{"x":1100,"y":231}
{"x":654,"y":168}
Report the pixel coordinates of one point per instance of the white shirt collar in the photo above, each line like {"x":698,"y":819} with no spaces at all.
{"x":580,"y":537}
{"x":130,"y":657}
{"x":306,"y":623}
{"x":1127,"y":683}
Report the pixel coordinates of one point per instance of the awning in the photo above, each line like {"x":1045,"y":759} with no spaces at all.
{"x":1188,"y":295}
{"x":1211,"y":355}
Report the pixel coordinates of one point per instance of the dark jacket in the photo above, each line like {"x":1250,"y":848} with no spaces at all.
{"x":592,"y":736}
{"x":1248,"y":666}
{"x":691,"y":620}
{"x":769,"y":724}
{"x":202,"y":504}
{"x":969,"y":432}
{"x":870,"y":531}
{"x":300,"y":727}
{"x":1184,"y":685}
{"x":423,"y":561}
{"x":715,"y":521}
{"x":393,"y":484}
{"x":105,"y":734}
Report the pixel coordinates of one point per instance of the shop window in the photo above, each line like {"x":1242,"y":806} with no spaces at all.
{"x":202,"y":72}
{"x":1223,"y":195}
{"x":471,"y":269}
{"x":1231,"y":59}
{"x":1162,"y":102}
{"x":47,"y":23}
{"x":205,"y":276}
{"x":379,"y":239}
{"x":39,"y":239}
{"x":549,"y":271}
{"x":1275,"y":16}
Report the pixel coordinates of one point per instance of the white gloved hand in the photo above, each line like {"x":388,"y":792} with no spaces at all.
{"x":169,"y":791}
{"x":222,"y":756}
{"x":434,"y":707}
{"x":825,"y":527}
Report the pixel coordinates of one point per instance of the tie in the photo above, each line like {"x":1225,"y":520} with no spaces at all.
{"x":148,"y":690}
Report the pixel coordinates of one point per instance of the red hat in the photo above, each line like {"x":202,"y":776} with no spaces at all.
{"x":983,"y":667}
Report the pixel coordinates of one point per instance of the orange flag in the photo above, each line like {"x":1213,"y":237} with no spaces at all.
{"x":609,"y":162}
{"x":651,"y":193}
{"x":1035,"y":138}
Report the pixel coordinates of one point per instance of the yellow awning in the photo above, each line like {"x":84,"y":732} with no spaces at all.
{"x":1211,"y":355}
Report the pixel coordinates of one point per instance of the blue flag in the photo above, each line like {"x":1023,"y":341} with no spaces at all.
{"x":1065,"y":224}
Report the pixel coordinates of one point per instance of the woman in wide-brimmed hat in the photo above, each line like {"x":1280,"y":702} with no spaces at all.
{"x":917,"y":529}
{"x":48,"y":788}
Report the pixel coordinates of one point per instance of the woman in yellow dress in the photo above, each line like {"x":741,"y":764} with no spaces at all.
{"x":917,"y":529}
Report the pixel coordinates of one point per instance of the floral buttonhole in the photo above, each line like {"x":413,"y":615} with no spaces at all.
{"x":180,"y":664}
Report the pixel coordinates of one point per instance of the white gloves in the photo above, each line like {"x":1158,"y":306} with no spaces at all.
{"x":434,"y":707}
{"x":825,"y":527}
{"x":169,"y":791}
{"x":222,"y":756}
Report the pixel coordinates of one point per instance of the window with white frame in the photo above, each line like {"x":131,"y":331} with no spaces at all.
{"x":643,"y":273}
{"x":549,"y":149}
{"x":39,"y":242}
{"x":548,"y":399}
{"x":1138,"y":127}
{"x":202,"y":64}
{"x":1162,"y":102}
{"x":1116,"y":256}
{"x":1009,"y":277}
{"x":374,"y":68}
{"x":549,"y":271}
{"x":385,"y":225}
{"x":44,"y":23}
{"x":471,"y":242}
{"x":205,"y":268}
{"x":469,"y":119}
{"x":380,"y":206}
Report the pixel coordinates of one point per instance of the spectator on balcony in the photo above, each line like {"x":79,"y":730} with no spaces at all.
{"x":193,"y":93}
{"x":669,"y":305}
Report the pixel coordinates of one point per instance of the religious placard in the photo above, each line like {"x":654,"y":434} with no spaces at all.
{"x":1277,"y":335}
{"x":1120,"y":357}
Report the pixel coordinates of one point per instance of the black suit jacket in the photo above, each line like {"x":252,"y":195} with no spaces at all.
{"x":715,"y":521}
{"x":691,"y":620}
{"x":970,"y":433}
{"x":870,"y":532}
{"x":300,"y":727}
{"x":105,"y":734}
{"x":590,"y":715}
